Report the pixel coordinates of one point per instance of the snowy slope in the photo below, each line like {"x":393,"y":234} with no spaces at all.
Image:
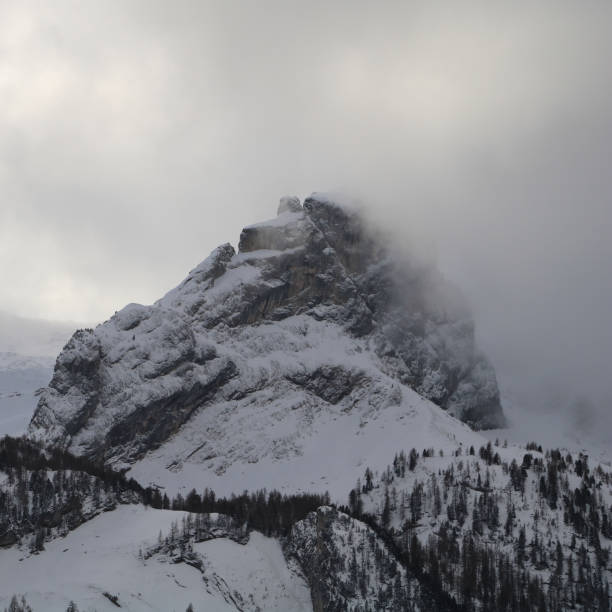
{"x":256,"y":574}
{"x":103,"y":556}
{"x":471,"y":501}
{"x":284,"y":442}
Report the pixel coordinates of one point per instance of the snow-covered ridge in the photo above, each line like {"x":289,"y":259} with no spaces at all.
{"x":544,"y":516}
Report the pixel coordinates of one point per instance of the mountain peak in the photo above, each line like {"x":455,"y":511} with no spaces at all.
{"x":289,"y":204}
{"x":244,"y":361}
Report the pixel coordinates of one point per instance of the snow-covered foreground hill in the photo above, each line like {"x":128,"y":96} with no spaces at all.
{"x":454,"y":528}
{"x":104,"y":555}
{"x":25,"y":336}
{"x":534,"y":525}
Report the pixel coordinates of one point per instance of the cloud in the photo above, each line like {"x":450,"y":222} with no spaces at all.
{"x":135,"y":137}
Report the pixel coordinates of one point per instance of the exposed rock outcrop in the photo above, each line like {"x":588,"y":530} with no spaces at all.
{"x":348,"y":567}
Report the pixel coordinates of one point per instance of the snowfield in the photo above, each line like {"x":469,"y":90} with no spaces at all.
{"x":103,"y":555}
{"x":285,"y":444}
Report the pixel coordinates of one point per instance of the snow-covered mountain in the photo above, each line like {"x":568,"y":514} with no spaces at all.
{"x":284,"y":364}
{"x":329,"y":377}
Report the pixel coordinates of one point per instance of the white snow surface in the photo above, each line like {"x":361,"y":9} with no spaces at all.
{"x":281,"y":436}
{"x":103,"y":556}
{"x":257,"y":571}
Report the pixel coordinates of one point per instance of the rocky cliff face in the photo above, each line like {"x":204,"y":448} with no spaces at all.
{"x":312,"y":315}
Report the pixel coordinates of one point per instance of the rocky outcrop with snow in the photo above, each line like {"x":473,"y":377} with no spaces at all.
{"x":312,"y":324}
{"x":347,"y":566}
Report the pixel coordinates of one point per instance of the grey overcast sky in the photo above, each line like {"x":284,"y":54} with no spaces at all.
{"x":136,"y":136}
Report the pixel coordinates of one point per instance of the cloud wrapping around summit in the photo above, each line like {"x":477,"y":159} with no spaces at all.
{"x":133,"y":139}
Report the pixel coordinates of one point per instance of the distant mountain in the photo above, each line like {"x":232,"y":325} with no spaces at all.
{"x":14,"y":362}
{"x":28,"y":348}
{"x":20,"y":377}
{"x":38,"y":337}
